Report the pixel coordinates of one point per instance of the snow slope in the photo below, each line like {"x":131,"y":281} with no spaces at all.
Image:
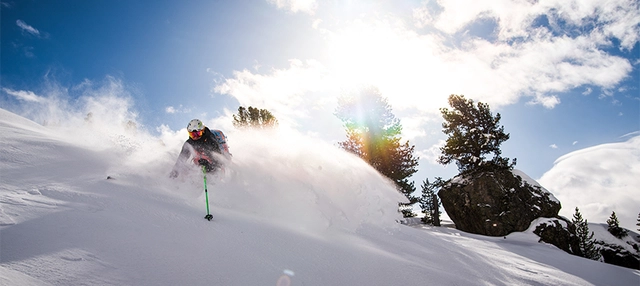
{"x":288,"y":211}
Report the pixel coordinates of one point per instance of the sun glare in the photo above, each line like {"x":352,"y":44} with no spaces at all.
{"x":397,"y":61}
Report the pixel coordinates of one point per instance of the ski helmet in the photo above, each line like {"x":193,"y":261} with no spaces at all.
{"x":195,"y":129}
{"x":195,"y":125}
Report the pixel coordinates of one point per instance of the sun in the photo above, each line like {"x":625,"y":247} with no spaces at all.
{"x":395,"y":59}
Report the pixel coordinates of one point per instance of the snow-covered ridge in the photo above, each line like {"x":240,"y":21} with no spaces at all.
{"x":273,"y":174}
{"x":288,"y":212}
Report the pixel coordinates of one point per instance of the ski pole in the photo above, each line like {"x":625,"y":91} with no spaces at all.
{"x":206,"y":194}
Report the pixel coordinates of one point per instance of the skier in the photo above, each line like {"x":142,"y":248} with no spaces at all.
{"x":204,"y":146}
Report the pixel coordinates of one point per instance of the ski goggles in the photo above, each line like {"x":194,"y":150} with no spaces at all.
{"x":195,"y":134}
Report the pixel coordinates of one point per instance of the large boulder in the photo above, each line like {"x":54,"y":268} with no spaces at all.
{"x":497,"y":202}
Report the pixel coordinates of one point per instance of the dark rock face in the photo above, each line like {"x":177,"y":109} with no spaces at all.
{"x":617,"y":255}
{"x":559,"y":232}
{"x":496,"y":203}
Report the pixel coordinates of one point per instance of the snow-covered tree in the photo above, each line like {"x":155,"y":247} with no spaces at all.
{"x":614,"y":226}
{"x":473,"y":134}
{"x":638,"y":224}
{"x":587,"y":243}
{"x":373,"y":134}
{"x":254,"y":118}
{"x":430,"y":203}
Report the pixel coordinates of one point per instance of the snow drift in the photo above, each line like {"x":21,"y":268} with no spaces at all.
{"x":288,"y":211}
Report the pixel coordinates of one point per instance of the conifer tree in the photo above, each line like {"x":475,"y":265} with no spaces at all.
{"x":585,"y":240}
{"x":426,"y":201}
{"x":638,"y":224}
{"x":473,"y":134}
{"x":373,"y":134}
{"x":254,"y":118}
{"x":614,"y":226}
{"x":430,"y":203}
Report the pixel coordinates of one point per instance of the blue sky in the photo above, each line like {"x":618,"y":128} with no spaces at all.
{"x":563,"y":74}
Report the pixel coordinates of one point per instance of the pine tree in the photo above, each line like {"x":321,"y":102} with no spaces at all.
{"x":426,"y":201}
{"x":614,"y":226}
{"x":429,"y":202}
{"x":587,"y":243}
{"x":373,"y":134}
{"x":254,"y":118}
{"x":473,"y":134}
{"x":638,"y":224}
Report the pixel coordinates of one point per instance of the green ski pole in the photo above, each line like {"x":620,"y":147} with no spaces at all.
{"x":208,"y":217}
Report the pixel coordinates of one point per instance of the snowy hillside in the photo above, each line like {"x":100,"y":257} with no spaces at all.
{"x":288,"y":211}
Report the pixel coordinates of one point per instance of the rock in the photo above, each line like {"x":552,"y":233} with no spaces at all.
{"x":617,"y":255}
{"x":559,"y":232}
{"x":497,"y":202}
{"x":623,"y":251}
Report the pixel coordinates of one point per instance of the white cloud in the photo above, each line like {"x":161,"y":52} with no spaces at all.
{"x":422,"y":17}
{"x":431,"y":154}
{"x":287,"y":93}
{"x":513,"y":17}
{"x":616,"y":18}
{"x":418,"y":68}
{"x":574,"y":143}
{"x":527,"y":59}
{"x":413,"y":127}
{"x":420,"y":71}
{"x":546,"y":101}
{"x":256,"y":66}
{"x":631,"y":134}
{"x":599,"y":180}
{"x":27,"y":28}
{"x":305,"y":6}
{"x":179,"y":109}
{"x":316,"y":24}
{"x":553,"y":146}
{"x":24,"y":95}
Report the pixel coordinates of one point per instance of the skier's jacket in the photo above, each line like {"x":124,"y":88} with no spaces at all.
{"x":201,"y":151}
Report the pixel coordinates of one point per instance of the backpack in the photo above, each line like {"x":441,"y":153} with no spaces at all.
{"x":222,"y":142}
